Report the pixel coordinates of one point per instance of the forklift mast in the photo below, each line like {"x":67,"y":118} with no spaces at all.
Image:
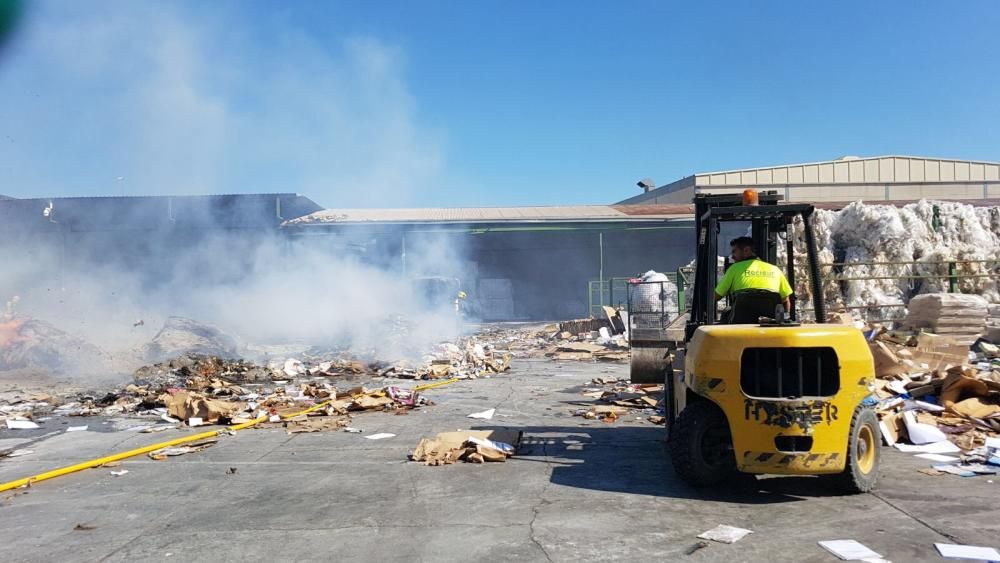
{"x":767,"y":219}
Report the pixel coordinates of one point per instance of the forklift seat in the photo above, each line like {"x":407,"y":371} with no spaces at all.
{"x":751,"y":304}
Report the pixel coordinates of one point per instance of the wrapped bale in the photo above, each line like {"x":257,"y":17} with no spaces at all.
{"x":899,"y":252}
{"x":962,"y":317}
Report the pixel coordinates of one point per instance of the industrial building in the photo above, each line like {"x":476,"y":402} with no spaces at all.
{"x":872,"y":179}
{"x":141,"y":234}
{"x":517,"y":263}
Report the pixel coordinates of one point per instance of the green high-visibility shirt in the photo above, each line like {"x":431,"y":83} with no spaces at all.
{"x":754,"y":273}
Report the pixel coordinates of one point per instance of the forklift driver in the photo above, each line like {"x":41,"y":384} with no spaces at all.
{"x":756,"y":286}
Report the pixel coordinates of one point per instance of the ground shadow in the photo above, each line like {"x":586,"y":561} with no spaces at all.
{"x":634,"y":459}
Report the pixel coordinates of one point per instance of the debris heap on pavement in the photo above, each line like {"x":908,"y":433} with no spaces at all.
{"x":936,"y":397}
{"x":471,"y":446}
{"x":199,"y":390}
{"x":614,"y":398}
{"x":27,"y":343}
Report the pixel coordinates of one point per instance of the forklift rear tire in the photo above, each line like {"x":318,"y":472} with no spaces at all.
{"x":863,"y":456}
{"x":700,"y":445}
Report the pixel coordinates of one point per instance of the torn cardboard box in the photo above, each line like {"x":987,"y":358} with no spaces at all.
{"x":474,"y":446}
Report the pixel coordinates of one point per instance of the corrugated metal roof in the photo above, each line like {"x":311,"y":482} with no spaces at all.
{"x":678,"y":210}
{"x":855,"y":170}
{"x":153,"y":212}
{"x":476,"y":215}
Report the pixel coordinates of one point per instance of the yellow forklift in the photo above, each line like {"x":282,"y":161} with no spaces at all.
{"x":772,"y":396}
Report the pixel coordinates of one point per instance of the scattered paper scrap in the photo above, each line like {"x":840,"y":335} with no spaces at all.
{"x":21,"y":424}
{"x":195,"y":421}
{"x":725,"y":534}
{"x":485,"y":415}
{"x":979,"y":468}
{"x":938,"y":457}
{"x":487,"y":443}
{"x":17,"y":453}
{"x":77,"y":428}
{"x":954,"y":470}
{"x":380,"y":436}
{"x":967,"y":552}
{"x":943,"y":447}
{"x":921,"y":433}
{"x":473,"y":446}
{"x":849,"y":550}
{"x":164,"y":453}
{"x":119,"y":473}
{"x":353,"y":430}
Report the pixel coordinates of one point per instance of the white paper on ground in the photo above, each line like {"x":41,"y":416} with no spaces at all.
{"x":967,"y":552}
{"x":19,"y":453}
{"x":21,"y":424}
{"x":500,"y":446}
{"x":485,"y":415}
{"x":195,"y":421}
{"x":921,"y":433}
{"x":380,"y":436}
{"x":938,"y":457}
{"x":944,"y":447}
{"x":849,"y":550}
{"x":993,"y":443}
{"x":724,"y":534}
{"x":76,"y":428}
{"x":978,"y":468}
{"x":119,"y":473}
{"x":168,"y":418}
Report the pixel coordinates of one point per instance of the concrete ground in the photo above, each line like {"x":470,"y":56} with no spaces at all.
{"x":578,"y":490}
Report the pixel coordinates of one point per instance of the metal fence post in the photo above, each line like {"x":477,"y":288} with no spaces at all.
{"x":680,"y":290}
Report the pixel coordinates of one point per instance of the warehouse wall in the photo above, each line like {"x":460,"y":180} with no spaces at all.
{"x":526,"y":275}
{"x":548,"y":272}
{"x":868,"y":192}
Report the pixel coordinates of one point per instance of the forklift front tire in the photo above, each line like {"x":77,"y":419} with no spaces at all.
{"x":700,"y":445}
{"x":863,"y":456}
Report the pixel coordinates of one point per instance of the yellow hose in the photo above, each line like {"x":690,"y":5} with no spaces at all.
{"x":184,"y":440}
{"x":435,"y":384}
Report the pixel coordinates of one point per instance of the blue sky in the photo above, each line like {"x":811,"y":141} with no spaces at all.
{"x":385,"y":104}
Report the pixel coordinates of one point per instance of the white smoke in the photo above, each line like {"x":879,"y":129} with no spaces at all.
{"x":144,"y":98}
{"x":192,"y":98}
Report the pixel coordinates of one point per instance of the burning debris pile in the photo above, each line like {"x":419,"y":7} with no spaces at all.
{"x":937,"y":398}
{"x":186,"y":336}
{"x":903,"y":252}
{"x":614,"y":398}
{"x":27,"y":343}
{"x":207,"y":389}
{"x":199,"y":390}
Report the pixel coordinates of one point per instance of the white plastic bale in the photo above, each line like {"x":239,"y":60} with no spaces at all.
{"x":648,"y":297}
{"x":862,"y":234}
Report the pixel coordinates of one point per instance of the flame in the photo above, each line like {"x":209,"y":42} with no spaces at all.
{"x":10,"y":333}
